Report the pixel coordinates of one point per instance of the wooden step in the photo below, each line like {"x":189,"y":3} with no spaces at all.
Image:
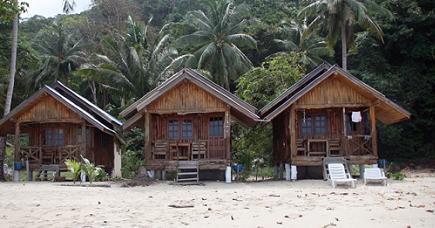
{"x":188,"y":179}
{"x":187,"y":167}
{"x":187,"y":173}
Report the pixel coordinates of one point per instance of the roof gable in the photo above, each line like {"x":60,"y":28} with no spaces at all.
{"x":186,"y":97}
{"x":47,"y":90}
{"x":311,"y":80}
{"x":200,"y":81}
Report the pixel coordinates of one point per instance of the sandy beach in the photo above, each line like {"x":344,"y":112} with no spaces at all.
{"x":305,"y":203}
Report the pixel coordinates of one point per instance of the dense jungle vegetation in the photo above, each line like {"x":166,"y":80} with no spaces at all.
{"x":119,"y":50}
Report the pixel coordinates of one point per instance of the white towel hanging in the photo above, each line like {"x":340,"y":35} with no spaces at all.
{"x":356,"y":117}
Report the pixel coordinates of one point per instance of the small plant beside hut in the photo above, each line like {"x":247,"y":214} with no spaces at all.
{"x":74,"y":167}
{"x":94,"y":173}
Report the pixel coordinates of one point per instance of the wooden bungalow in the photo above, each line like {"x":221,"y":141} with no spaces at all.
{"x":56,"y":124}
{"x":328,"y":113}
{"x":188,"y":117}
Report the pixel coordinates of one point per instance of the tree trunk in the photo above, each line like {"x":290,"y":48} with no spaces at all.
{"x":2,"y":153}
{"x":10,"y":90}
{"x":93,"y":91}
{"x":343,"y":46}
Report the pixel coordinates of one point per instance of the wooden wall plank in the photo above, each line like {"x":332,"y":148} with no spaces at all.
{"x":333,"y":91}
{"x":48,"y":109}
{"x":187,"y":98}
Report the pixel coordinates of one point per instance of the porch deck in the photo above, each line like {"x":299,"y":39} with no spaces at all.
{"x":203,"y":164}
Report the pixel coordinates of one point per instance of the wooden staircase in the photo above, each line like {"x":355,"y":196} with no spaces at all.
{"x":187,"y":171}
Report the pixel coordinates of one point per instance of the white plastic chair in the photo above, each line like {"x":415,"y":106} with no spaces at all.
{"x":374,"y":175}
{"x":337,"y":174}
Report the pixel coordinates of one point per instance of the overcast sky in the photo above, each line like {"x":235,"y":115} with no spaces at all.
{"x":51,"y":8}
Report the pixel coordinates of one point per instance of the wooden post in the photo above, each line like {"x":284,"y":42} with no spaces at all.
{"x":147,"y":141}
{"x":292,"y":126}
{"x":83,"y":153}
{"x":227,"y":134}
{"x":374,"y":134}
{"x":344,"y":122}
{"x":17,"y":140}
{"x":344,"y":138}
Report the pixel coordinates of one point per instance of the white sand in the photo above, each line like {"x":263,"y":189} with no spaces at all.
{"x":307,"y":203}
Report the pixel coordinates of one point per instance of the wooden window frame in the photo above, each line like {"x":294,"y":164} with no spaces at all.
{"x":54,"y":136}
{"x":316,"y":124}
{"x":173,"y":129}
{"x":78,"y":134}
{"x":216,"y":126}
{"x":186,"y":129}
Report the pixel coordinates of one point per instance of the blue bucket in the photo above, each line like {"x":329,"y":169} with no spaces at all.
{"x":18,"y":165}
{"x":238,"y":168}
{"x":382,"y":163}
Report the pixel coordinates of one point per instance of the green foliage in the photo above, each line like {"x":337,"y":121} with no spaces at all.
{"x":74,"y":167}
{"x":403,"y":70}
{"x":126,"y":57}
{"x":309,"y":47}
{"x":60,"y":55}
{"x":101,"y":175}
{"x":262,"y":84}
{"x":171,"y":175}
{"x":129,"y":65}
{"x":258,"y":87}
{"x":133,"y":155}
{"x":251,"y":143}
{"x":91,"y":170}
{"x":9,"y":8}
{"x":334,"y":16}
{"x":396,"y":175}
{"x":216,"y":44}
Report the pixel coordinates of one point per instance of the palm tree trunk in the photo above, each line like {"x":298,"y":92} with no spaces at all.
{"x":343,"y":46}
{"x":12,"y":66}
{"x":93,"y":91}
{"x":10,"y":90}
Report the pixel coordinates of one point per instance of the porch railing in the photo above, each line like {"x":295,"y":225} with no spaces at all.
{"x":215,"y":148}
{"x":357,"y":145}
{"x":50,"y":154}
{"x":337,"y":146}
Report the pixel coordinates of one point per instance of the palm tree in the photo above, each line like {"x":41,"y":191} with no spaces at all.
{"x":135,"y":60}
{"x":338,"y":18}
{"x":68,"y":6}
{"x":301,"y":39}
{"x":60,"y":55}
{"x":215,"y":45}
{"x":10,"y":90}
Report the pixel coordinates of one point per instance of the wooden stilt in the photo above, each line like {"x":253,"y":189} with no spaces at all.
{"x":17,"y":141}
{"x":83,"y":153}
{"x":147,"y":138}
{"x":373,"y":133}
{"x":227,"y":134}
{"x":292,"y":125}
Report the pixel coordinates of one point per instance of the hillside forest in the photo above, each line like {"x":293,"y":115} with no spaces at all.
{"x":118,"y":50}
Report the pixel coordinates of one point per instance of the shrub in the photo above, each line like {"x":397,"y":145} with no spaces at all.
{"x":74,"y":168}
{"x":90,"y":169}
{"x":101,"y":174}
{"x":132,"y":155}
{"x":396,"y":175}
